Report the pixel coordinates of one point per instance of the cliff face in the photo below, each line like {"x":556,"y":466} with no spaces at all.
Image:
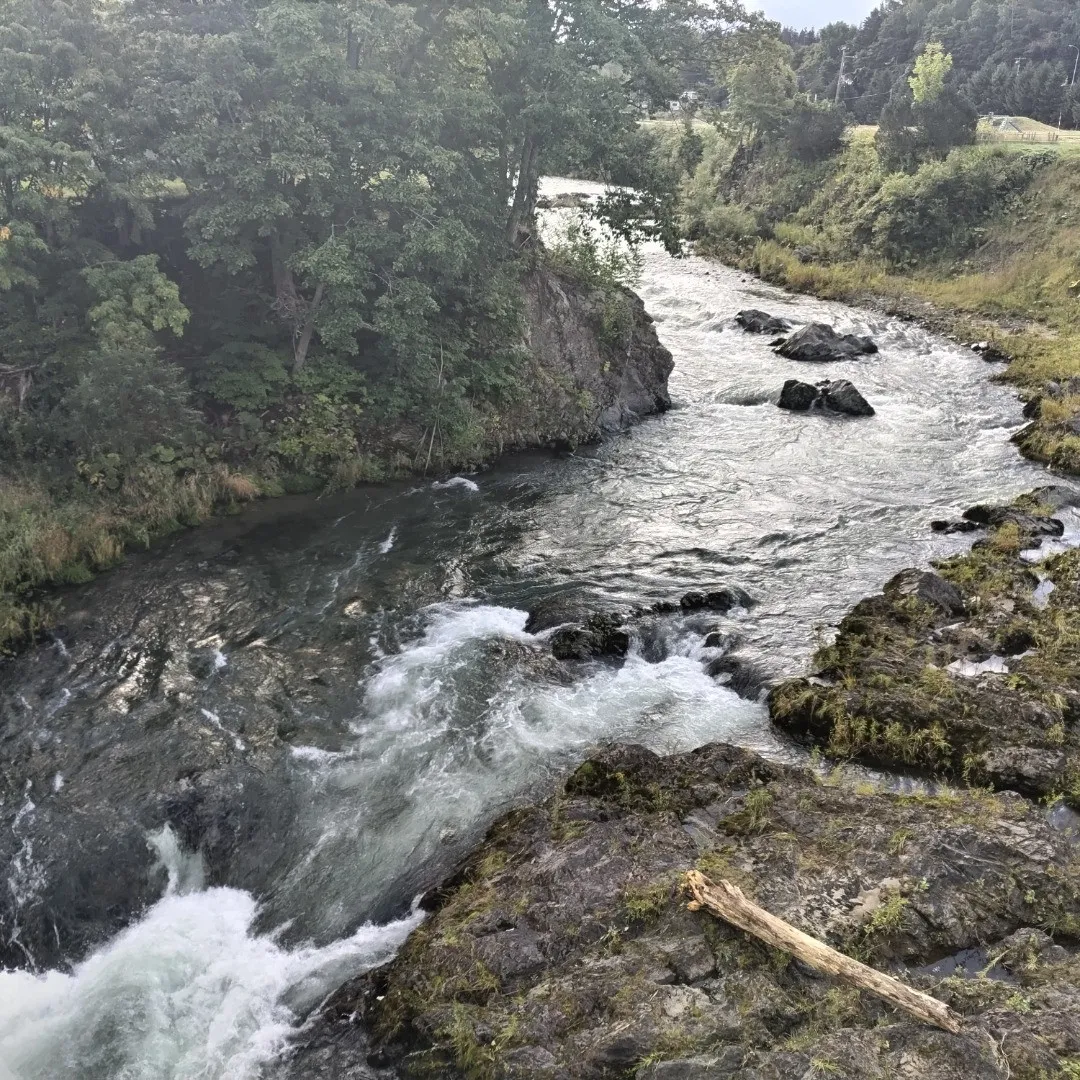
{"x":595,"y":364}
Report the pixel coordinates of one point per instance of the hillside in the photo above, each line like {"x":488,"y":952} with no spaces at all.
{"x":1011,"y":58}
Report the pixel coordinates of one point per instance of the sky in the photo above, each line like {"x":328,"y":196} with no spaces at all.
{"x":803,"y":13}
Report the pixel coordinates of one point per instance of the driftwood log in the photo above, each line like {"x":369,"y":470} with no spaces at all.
{"x":727,"y":902}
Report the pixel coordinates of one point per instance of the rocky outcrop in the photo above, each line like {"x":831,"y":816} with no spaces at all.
{"x":564,"y":947}
{"x":969,"y":671}
{"x":595,"y":364}
{"x":761,"y":322}
{"x":820,"y":343}
{"x":838,"y":395}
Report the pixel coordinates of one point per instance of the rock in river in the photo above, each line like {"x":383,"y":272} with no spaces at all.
{"x":798,"y":396}
{"x":819,"y":342}
{"x":761,"y":322}
{"x":838,"y":395}
{"x":841,"y":396}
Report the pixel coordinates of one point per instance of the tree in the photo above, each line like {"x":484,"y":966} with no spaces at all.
{"x":762,"y":91}
{"x":932,"y":68}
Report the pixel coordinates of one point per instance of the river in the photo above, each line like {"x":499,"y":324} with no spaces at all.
{"x":355,"y":677}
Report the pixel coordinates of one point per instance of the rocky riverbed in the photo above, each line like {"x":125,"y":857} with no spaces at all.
{"x":563,"y":946}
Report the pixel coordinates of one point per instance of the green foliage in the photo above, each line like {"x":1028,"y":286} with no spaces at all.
{"x":579,"y":250}
{"x":983,"y":39}
{"x":244,"y":374}
{"x":762,"y":91}
{"x":932,"y":68}
{"x":940,"y":208}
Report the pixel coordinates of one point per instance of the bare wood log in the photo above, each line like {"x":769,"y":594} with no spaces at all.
{"x":727,"y":902}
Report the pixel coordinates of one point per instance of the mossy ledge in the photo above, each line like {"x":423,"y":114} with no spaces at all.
{"x":563,"y":948}
{"x":900,"y":686}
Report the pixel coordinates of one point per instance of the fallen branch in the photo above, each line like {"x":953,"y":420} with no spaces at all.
{"x":727,"y":902}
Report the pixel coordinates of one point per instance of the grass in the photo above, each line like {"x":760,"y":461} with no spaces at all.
{"x":50,"y":538}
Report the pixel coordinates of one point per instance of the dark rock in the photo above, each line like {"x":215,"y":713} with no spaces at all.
{"x":715,"y":640}
{"x":594,"y":875}
{"x":819,"y":343}
{"x":602,"y":635}
{"x":929,"y":588}
{"x":722,"y":600}
{"x":761,"y":322}
{"x":991,"y":353}
{"x":1030,"y":525}
{"x":841,"y":396}
{"x":623,"y":377}
{"x":797,"y":396}
{"x":954,"y":526}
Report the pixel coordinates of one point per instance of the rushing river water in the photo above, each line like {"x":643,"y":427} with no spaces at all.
{"x":380,"y":636}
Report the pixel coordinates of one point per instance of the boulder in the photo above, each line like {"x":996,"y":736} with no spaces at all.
{"x":632,"y":983}
{"x":602,"y":635}
{"x":841,"y":396}
{"x":798,"y":396}
{"x":722,"y":600}
{"x":761,"y":322}
{"x":927,"y":587}
{"x":991,"y":353}
{"x":820,"y":343}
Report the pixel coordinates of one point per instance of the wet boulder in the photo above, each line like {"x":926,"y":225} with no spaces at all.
{"x":722,"y":600}
{"x":927,"y":587}
{"x":838,"y":395}
{"x":820,"y":343}
{"x":761,"y":322}
{"x":798,"y":396}
{"x":601,"y":635}
{"x":841,"y":396}
{"x":991,"y":353}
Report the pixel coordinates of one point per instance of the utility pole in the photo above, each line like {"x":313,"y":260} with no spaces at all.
{"x":1071,"y":82}
{"x":840,"y":77}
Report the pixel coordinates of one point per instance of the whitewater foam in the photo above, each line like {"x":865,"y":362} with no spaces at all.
{"x":187,"y":991}
{"x":456,"y":481}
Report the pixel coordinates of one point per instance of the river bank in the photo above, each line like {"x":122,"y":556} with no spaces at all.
{"x":590,"y":366}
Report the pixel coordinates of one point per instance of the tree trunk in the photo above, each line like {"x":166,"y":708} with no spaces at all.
{"x":728,"y":903}
{"x":352,"y":50}
{"x":303,"y":342}
{"x":285,"y":295}
{"x":522,"y":191}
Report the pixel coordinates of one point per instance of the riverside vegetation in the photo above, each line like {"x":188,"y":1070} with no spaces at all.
{"x":256,"y":247}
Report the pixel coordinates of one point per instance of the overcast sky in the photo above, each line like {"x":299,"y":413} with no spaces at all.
{"x":802,"y":13}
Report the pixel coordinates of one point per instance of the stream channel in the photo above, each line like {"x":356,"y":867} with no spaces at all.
{"x":333,"y":697}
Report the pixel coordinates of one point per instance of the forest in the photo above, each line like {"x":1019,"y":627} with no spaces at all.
{"x":242,"y":239}
{"x":1012,"y":57}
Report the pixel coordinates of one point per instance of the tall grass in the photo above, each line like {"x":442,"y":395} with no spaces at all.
{"x":55,"y":538}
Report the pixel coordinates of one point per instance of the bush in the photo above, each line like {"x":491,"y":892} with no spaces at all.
{"x":942,"y":207}
{"x":125,"y":401}
{"x":815,"y":130}
{"x":580,"y":251}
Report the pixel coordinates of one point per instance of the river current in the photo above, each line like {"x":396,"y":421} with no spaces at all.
{"x":381,"y":635}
